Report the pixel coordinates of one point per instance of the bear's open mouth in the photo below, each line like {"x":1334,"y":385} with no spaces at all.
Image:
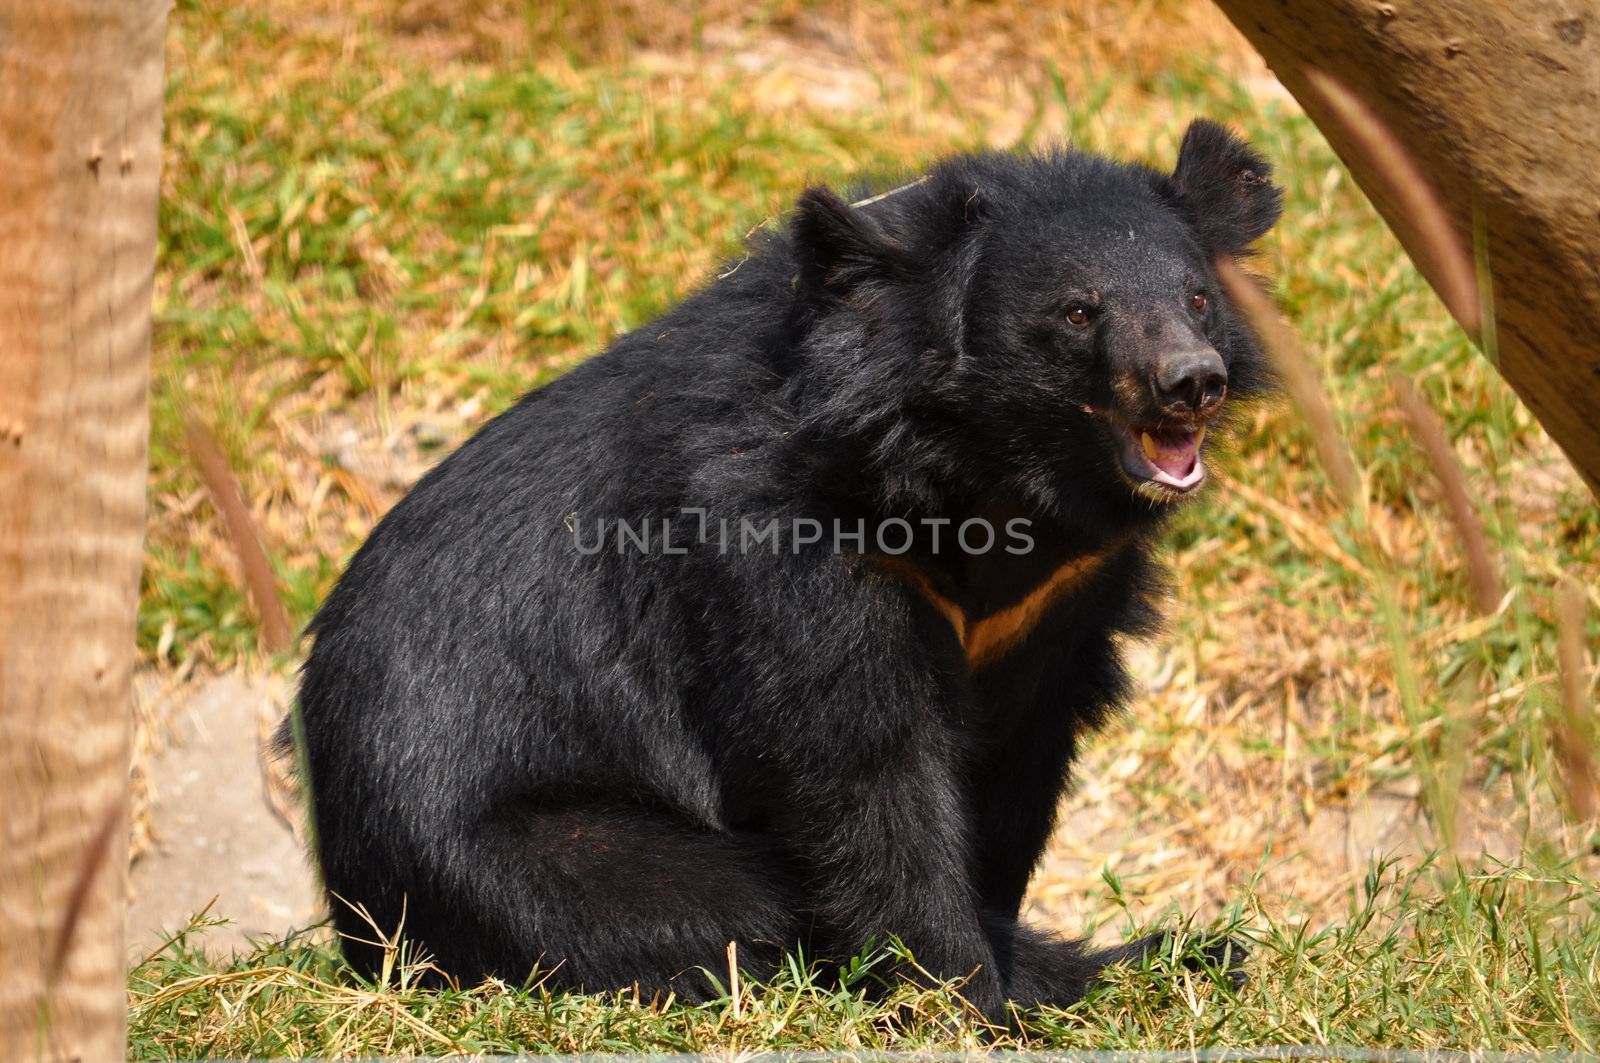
{"x":1164,"y":456}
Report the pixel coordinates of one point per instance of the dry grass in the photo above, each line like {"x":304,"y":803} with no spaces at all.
{"x":384,"y":221}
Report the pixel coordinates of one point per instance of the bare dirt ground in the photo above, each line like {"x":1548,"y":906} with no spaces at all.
{"x":217,"y":834}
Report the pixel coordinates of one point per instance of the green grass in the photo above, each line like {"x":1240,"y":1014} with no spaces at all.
{"x":362,"y":239}
{"x":1502,"y":961}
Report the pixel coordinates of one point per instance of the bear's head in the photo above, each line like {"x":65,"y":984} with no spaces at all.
{"x":1046,"y":326}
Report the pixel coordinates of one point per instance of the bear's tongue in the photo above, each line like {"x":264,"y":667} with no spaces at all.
{"x":1174,"y":450}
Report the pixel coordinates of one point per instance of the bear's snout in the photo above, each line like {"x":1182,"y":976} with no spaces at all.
{"x":1190,"y":382}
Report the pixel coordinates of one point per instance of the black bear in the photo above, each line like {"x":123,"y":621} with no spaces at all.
{"x":779,"y":622}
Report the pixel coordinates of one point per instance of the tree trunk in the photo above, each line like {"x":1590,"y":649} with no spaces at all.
{"x":80,"y":144}
{"x":1499,"y":103}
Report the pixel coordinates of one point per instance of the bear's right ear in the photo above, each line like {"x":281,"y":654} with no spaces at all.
{"x":839,"y":247}
{"x":1225,"y":188}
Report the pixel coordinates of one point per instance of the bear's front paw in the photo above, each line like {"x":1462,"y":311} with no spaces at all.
{"x":984,"y":994}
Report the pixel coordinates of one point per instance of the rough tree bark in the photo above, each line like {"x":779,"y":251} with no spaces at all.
{"x":1499,"y":103}
{"x":80,"y":115}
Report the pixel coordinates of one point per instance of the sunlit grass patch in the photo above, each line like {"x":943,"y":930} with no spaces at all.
{"x":1500,"y":961}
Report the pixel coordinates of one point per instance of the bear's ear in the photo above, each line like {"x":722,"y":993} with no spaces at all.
{"x":1224,"y":187}
{"x":839,"y":246}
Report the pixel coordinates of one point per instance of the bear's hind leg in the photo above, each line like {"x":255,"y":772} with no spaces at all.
{"x":602,"y":900}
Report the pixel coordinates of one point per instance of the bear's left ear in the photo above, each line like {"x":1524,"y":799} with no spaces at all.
{"x":839,"y":246}
{"x":1224,"y":187}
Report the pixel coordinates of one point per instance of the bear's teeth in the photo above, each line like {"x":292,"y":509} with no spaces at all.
{"x":1149,"y":445}
{"x":1199,"y":437}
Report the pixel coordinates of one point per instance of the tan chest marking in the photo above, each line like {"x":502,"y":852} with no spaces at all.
{"x":986,"y":638}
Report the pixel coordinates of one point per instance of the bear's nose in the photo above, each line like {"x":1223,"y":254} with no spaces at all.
{"x":1191,"y":381}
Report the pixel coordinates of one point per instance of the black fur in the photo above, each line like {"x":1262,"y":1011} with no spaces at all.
{"x":613,"y":764}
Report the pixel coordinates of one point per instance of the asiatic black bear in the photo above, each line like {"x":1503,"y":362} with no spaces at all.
{"x":779,"y":622}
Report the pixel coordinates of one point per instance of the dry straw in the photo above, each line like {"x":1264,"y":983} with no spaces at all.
{"x":93,"y":862}
{"x":1397,"y":180}
{"x":1297,"y":375}
{"x":1574,"y":729}
{"x":1430,"y":435}
{"x":228,"y":497}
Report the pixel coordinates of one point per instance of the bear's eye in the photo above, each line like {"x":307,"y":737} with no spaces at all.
{"x":1078,"y":315}
{"x":1198,"y":301}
